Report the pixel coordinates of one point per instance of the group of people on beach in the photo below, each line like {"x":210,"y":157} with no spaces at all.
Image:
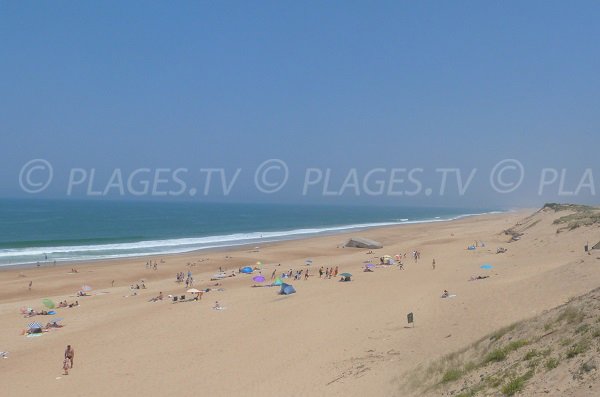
{"x":150,"y":265}
{"x":328,"y":272}
{"x":66,"y":304}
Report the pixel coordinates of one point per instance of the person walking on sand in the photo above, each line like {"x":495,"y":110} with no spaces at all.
{"x":69,"y":356}
{"x":273,"y":274}
{"x":433,"y":264}
{"x":30,"y":284}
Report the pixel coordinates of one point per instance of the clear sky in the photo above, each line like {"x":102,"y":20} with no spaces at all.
{"x":337,"y":85}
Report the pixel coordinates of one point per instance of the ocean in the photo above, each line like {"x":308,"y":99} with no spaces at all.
{"x":44,"y":231}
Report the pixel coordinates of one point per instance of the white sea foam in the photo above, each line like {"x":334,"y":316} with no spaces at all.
{"x":19,"y":256}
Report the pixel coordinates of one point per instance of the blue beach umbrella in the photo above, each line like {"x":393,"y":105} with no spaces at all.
{"x":486,"y":266}
{"x":34,"y":325}
{"x":247,"y":270}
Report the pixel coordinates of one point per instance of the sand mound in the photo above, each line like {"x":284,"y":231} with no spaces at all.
{"x":554,"y":353}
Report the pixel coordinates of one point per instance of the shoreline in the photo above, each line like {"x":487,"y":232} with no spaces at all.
{"x":328,"y":231}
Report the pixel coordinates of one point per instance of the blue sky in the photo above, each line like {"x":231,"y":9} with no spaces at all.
{"x":335,"y":85}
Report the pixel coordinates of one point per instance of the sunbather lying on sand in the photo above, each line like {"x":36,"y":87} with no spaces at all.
{"x":157,"y":298}
{"x":473,"y":278}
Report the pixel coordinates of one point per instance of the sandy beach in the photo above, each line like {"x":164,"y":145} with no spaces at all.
{"x":330,"y":338}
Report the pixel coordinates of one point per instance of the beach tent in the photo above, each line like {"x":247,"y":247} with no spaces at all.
{"x":277,"y":281}
{"x":286,"y":289}
{"x":246,"y":270}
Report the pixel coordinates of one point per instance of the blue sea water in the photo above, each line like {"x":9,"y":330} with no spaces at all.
{"x":45,"y":231}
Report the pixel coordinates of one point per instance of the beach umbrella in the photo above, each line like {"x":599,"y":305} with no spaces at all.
{"x":277,"y":281}
{"x":247,"y":270}
{"x":259,"y":263}
{"x":308,"y":262}
{"x":193,"y":291}
{"x":346,"y":275}
{"x":48,"y":303}
{"x":86,"y":288}
{"x":34,"y":325}
{"x":486,"y":266}
{"x":259,"y":279}
{"x":370,"y":265}
{"x":56,"y":320}
{"x":397,"y":257}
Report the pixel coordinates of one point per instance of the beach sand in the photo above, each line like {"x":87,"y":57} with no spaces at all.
{"x":328,"y":339}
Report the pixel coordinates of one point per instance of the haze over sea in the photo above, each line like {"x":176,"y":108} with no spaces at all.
{"x":45,"y":231}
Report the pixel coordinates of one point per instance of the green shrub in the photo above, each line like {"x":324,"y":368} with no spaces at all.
{"x":578,"y":348}
{"x":451,"y":375}
{"x":552,"y":363}
{"x":515,"y":385}
{"x":495,"y":356}
{"x":531,"y":354}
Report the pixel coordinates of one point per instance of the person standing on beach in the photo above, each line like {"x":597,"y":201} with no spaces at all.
{"x":30,"y":284}
{"x":66,"y":366}
{"x":433,"y":264}
{"x":70,"y":356}
{"x":321,"y":272}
